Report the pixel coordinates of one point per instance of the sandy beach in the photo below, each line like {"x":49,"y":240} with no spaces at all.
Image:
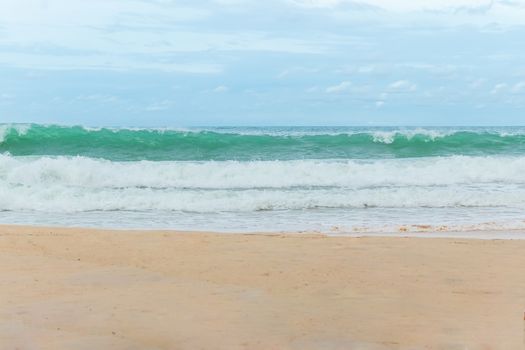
{"x":100,"y":289}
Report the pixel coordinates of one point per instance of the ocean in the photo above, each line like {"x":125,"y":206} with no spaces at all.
{"x":337,"y":180}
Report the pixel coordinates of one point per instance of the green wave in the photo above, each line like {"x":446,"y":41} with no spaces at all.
{"x":263,"y":144}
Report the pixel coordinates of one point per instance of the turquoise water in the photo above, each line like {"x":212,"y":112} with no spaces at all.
{"x":247,"y":144}
{"x":330,"y":179}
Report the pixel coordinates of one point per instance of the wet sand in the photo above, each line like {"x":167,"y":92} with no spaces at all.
{"x":102,"y":289}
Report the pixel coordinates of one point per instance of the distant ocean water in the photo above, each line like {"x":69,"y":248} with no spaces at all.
{"x":330,"y":179}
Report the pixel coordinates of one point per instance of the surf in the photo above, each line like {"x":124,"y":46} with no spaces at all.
{"x":249,"y":144}
{"x":62,"y":184}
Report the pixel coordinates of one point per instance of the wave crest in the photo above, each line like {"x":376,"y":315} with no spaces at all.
{"x":244,"y":144}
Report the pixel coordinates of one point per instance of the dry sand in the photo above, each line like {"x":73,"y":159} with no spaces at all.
{"x":89,"y":289}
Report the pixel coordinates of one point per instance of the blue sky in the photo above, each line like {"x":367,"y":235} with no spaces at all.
{"x":274,"y":62}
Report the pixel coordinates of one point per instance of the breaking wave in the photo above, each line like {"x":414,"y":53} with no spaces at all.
{"x":133,"y":144}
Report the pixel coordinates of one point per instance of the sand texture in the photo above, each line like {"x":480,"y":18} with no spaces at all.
{"x":98,"y":289}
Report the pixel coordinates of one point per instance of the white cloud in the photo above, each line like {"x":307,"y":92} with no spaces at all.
{"x":433,"y":5}
{"x":380,"y":104}
{"x":96,"y":13}
{"x":124,"y":34}
{"x":232,"y":2}
{"x":150,"y":41}
{"x":312,"y":89}
{"x":407,"y":5}
{"x":498,"y":88}
{"x":5,"y":96}
{"x":366,"y":69}
{"x":477,"y":83}
{"x":343,"y":86}
{"x":221,"y":88}
{"x":101,"y":62}
{"x":447,"y":12}
{"x":98,"y":98}
{"x":402,"y":86}
{"x":317,"y":3}
{"x":296,"y":70}
{"x":518,"y":87}
{"x":159,"y":106}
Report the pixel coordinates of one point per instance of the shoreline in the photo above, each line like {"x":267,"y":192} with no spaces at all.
{"x":72,"y":288}
{"x":481,"y":234}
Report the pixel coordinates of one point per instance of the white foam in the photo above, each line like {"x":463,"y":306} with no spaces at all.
{"x":71,"y":199}
{"x":82,"y":184}
{"x":94,"y":173}
{"x":389,"y":136}
{"x":21,"y":129}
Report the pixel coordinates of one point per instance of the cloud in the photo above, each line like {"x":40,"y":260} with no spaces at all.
{"x":99,"y":98}
{"x":96,"y":13}
{"x":402,"y":86}
{"x":477,"y":83}
{"x":317,"y":3}
{"x":150,"y":41}
{"x":446,"y":12}
{"x":297,"y":70}
{"x":518,"y":87}
{"x":230,"y":2}
{"x":160,"y":106}
{"x":366,"y":69}
{"x":407,"y":5}
{"x":221,"y":88}
{"x":130,"y":34}
{"x":101,"y":62}
{"x":5,"y":96}
{"x":498,"y":88}
{"x":312,"y":89}
{"x":335,"y":89}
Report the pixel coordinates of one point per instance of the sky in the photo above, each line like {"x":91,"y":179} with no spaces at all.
{"x":273,"y":62}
